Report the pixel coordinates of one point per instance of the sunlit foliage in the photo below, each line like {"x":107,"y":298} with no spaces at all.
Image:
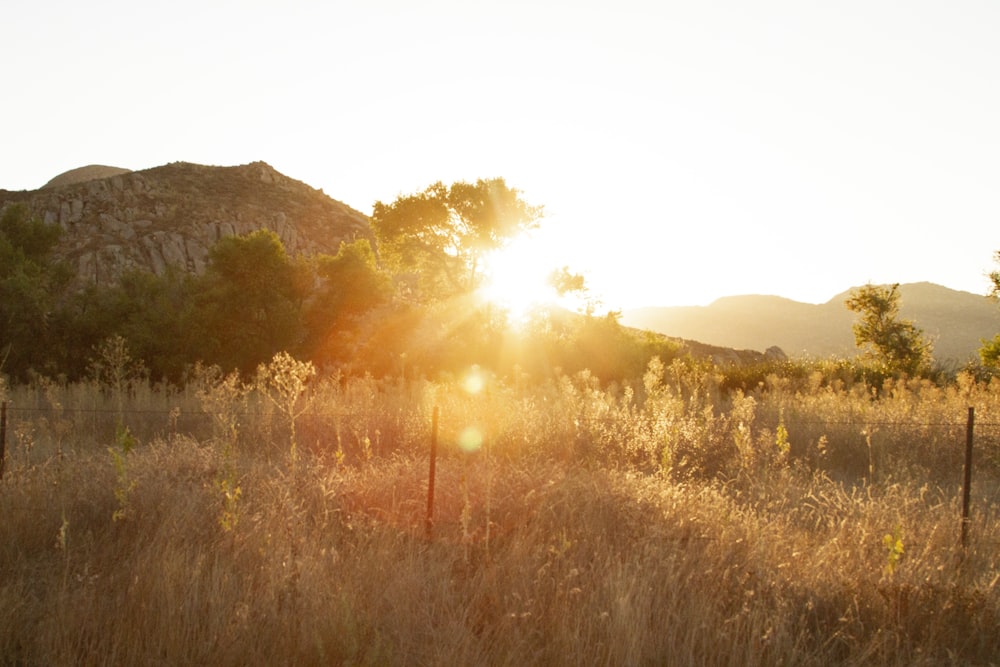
{"x":439,"y":236}
{"x":989,"y":353}
{"x":897,"y":344}
{"x":349,"y":286}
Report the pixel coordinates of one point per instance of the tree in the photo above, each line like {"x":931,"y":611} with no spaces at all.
{"x":995,"y":277}
{"x":30,"y":288}
{"x":989,"y":353}
{"x":28,"y":236}
{"x":152,"y":313}
{"x":899,"y":345}
{"x":250,"y":301}
{"x":566,"y":283}
{"x":441,"y":233}
{"x":350,"y":285}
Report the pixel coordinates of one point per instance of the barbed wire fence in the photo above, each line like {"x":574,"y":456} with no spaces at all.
{"x":963,"y":440}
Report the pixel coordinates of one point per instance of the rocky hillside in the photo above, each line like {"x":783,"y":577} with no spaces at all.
{"x":114,"y":220}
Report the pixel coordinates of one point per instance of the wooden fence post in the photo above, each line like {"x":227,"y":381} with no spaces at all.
{"x":429,"y":522}
{"x":967,"y":484}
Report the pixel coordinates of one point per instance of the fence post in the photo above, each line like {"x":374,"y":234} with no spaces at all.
{"x":3,"y":436}
{"x":429,"y":523}
{"x":967,"y":484}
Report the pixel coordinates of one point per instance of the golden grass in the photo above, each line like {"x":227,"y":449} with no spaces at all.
{"x":544,"y":552}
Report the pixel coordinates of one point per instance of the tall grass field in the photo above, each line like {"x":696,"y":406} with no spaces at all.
{"x":285,"y":521}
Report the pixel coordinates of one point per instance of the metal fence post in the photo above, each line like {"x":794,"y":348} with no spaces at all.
{"x":967,"y":484}
{"x":429,"y":522}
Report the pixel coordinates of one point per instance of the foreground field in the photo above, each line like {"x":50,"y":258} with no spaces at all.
{"x":576,"y":526}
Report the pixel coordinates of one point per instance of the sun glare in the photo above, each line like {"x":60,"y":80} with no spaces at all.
{"x":516,"y":279}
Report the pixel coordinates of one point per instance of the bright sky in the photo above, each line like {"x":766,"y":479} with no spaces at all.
{"x":682,"y":150}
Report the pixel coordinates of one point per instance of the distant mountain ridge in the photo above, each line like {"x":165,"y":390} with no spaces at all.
{"x":953,"y":320}
{"x":114,"y":220}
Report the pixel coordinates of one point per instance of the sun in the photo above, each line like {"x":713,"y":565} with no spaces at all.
{"x":516,"y":278}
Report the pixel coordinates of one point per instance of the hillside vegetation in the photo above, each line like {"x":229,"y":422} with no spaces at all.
{"x":259,"y":264}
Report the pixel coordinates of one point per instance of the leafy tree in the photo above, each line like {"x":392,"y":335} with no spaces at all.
{"x":898,"y":345}
{"x":26,"y":236}
{"x":564,"y":282}
{"x":30,"y":288}
{"x":989,"y":353}
{"x":159,"y":324}
{"x":440,"y":234}
{"x":995,"y":277}
{"x":605,"y":348}
{"x":152,"y":314}
{"x":350,"y":285}
{"x":249,"y":302}
{"x":85,"y":319}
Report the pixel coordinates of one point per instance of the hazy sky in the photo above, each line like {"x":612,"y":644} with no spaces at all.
{"x":682,"y":150}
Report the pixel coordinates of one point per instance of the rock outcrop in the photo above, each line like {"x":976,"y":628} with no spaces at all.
{"x":171,"y":215}
{"x":91,"y":172}
{"x":727,"y":356}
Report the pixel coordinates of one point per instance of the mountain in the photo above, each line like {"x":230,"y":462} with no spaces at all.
{"x":114,"y":219}
{"x":954,"y":321}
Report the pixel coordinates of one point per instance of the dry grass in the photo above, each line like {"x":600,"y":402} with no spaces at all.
{"x":560,"y":543}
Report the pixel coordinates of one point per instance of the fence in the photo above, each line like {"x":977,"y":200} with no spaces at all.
{"x":100,"y":423}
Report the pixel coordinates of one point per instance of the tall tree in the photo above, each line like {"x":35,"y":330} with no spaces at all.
{"x":157,"y":321}
{"x":899,"y":345}
{"x":30,"y":287}
{"x":439,"y":235}
{"x":151,"y":313}
{"x":350,"y":285}
{"x":250,"y":301}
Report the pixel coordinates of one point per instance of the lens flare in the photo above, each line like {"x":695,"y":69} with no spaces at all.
{"x":471,"y":439}
{"x":474,"y":381}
